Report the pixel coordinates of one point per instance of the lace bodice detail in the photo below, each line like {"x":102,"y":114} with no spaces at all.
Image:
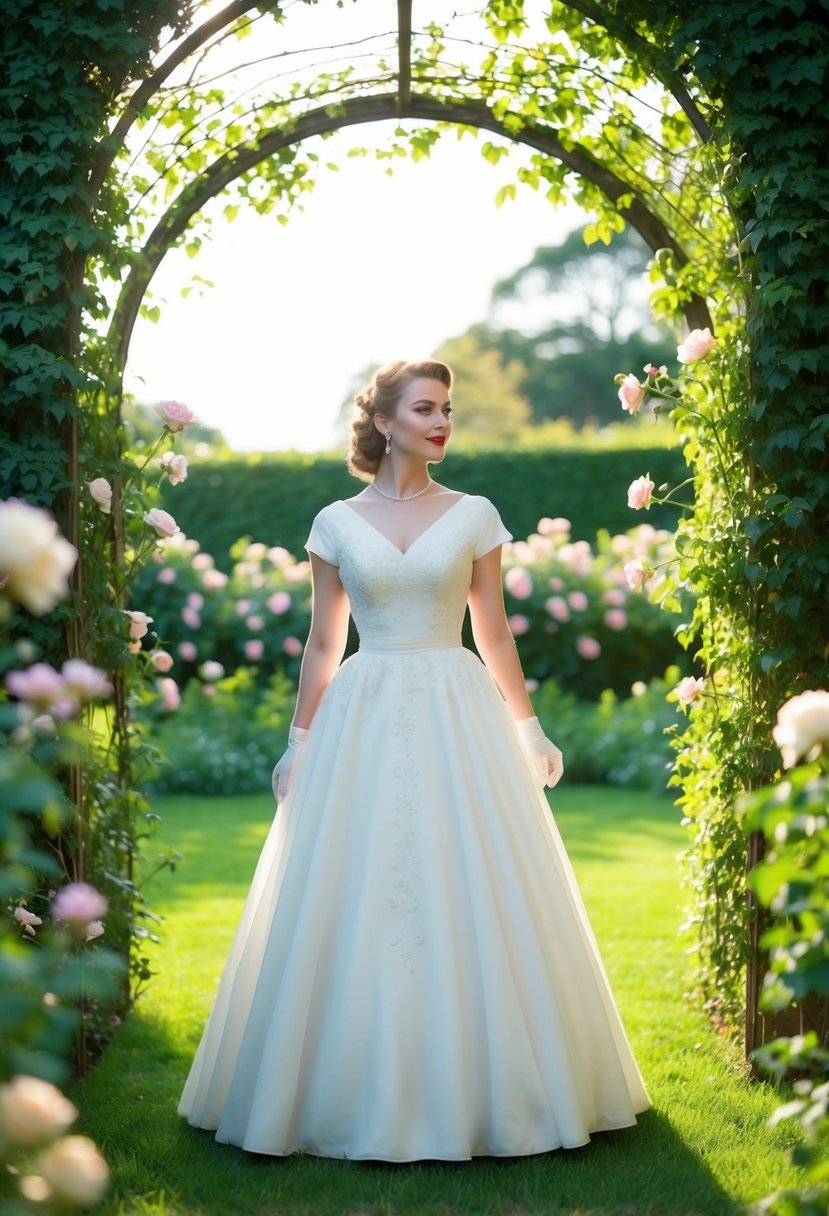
{"x":411,"y":597}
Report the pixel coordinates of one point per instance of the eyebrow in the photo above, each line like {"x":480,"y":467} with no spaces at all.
{"x":428,"y":401}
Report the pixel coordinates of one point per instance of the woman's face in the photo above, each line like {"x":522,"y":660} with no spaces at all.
{"x":421,"y":425}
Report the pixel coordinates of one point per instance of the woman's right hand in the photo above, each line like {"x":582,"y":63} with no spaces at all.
{"x":281,"y":777}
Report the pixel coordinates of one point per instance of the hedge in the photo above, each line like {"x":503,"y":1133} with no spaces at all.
{"x":273,"y":498}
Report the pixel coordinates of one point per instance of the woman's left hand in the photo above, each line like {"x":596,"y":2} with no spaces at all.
{"x":543,"y":754}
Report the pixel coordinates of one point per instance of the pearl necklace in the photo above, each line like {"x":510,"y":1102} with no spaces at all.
{"x":403,"y":497}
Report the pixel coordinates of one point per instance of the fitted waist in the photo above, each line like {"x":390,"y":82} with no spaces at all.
{"x":408,"y":642}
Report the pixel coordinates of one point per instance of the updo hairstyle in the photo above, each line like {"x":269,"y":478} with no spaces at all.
{"x":382,"y":396}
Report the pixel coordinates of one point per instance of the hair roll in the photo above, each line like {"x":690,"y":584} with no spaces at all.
{"x":381,"y":396}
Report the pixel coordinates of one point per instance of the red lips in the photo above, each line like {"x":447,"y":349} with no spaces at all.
{"x":440,"y":440}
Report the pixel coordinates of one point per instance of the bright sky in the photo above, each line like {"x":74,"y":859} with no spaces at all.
{"x":374,"y":268}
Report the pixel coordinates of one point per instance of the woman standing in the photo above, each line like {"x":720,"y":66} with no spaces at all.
{"x":414,"y":976}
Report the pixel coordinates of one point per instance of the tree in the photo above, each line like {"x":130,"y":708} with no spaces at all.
{"x":583,"y":315}
{"x":487,"y":392}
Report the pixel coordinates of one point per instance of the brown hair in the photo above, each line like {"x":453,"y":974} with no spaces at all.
{"x":382,"y":396}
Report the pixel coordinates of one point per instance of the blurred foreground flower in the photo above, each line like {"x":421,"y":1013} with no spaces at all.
{"x":75,"y":1170}
{"x":78,"y":902}
{"x":802,"y":726}
{"x":33,"y":1111}
{"x":35,"y":560}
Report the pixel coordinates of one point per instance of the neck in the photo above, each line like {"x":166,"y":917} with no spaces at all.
{"x":400,"y":480}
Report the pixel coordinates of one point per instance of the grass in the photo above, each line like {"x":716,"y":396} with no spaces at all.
{"x":703,"y":1149}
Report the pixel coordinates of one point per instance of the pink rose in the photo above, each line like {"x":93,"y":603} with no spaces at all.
{"x":84,"y":681}
{"x":639,"y":493}
{"x":687,"y":689}
{"x":243,"y":607}
{"x":802,"y":725}
{"x":214,"y":580}
{"x":211,"y":670}
{"x":254,"y":649}
{"x":167,"y":576}
{"x":78,"y":902}
{"x":101,"y":491}
{"x":518,"y":625}
{"x":187,"y":651}
{"x":162,"y":661}
{"x":698,"y":344}
{"x":292,"y":647}
{"x":616,"y":619}
{"x":637,"y":573}
{"x":554,"y":527}
{"x":40,"y":685}
{"x":279,"y":602}
{"x":195,"y":600}
{"x":134,"y":647}
{"x":519,"y":583}
{"x":190,"y":617}
{"x":94,"y":929}
{"x":614,"y":596}
{"x":578,"y":601}
{"x":174,"y":415}
{"x":175,"y":467}
{"x":203,"y":561}
{"x":557,"y":608}
{"x":588,"y":647}
{"x":139,"y":623}
{"x":255,"y":623}
{"x":631,"y":394}
{"x":209,"y":690}
{"x":161,"y":522}
{"x":531,"y":685}
{"x":279,"y":556}
{"x":556,"y":584}
{"x":170,"y":694}
{"x":255,"y":552}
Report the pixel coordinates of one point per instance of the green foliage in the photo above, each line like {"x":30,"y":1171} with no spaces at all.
{"x":487,"y":391}
{"x":223,"y":500}
{"x":792,"y":883}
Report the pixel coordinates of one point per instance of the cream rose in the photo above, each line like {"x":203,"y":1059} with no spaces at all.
{"x":802,"y":726}
{"x":631,"y":394}
{"x":637,"y":573}
{"x":162,"y":661}
{"x":698,"y":344}
{"x":162,"y":522}
{"x":640,"y":492}
{"x":75,"y":1170}
{"x":688,"y":690}
{"x":33,"y":1111}
{"x":94,"y":929}
{"x":174,"y":415}
{"x":139,"y":623}
{"x":35,"y":560}
{"x":101,"y":491}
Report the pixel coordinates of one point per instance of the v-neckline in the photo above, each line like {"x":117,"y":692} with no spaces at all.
{"x":420,"y":535}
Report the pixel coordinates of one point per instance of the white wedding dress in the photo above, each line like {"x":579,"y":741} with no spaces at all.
{"x":414,"y":975}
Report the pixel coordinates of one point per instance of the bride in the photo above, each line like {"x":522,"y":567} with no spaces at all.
{"x":414,"y":975}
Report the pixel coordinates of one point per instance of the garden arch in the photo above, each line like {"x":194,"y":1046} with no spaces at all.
{"x":757,"y":534}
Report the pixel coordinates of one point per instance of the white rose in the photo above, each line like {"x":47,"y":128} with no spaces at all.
{"x":33,"y":1111}
{"x":35,"y":560}
{"x":698,"y":344}
{"x":75,"y":1170}
{"x":162,"y":522}
{"x":101,"y":491}
{"x":802,"y":725}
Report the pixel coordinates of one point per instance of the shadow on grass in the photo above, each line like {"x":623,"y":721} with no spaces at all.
{"x":160,"y":1164}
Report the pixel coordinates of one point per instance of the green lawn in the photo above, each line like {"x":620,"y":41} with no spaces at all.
{"x":703,"y":1148}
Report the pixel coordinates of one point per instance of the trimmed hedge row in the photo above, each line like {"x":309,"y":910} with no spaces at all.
{"x":273,"y":498}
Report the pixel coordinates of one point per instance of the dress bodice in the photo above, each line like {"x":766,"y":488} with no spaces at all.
{"x":412,"y":599}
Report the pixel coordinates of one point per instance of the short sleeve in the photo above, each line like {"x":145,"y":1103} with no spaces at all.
{"x":491,"y":530}
{"x":322,"y":539}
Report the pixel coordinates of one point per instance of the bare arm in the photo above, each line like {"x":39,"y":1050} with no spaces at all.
{"x":492,"y":633}
{"x":326,"y":639}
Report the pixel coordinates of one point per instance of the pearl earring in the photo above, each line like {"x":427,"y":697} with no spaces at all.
{"x":388,"y":445}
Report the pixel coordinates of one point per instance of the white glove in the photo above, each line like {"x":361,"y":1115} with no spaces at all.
{"x":542,"y":753}
{"x":281,"y":777}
